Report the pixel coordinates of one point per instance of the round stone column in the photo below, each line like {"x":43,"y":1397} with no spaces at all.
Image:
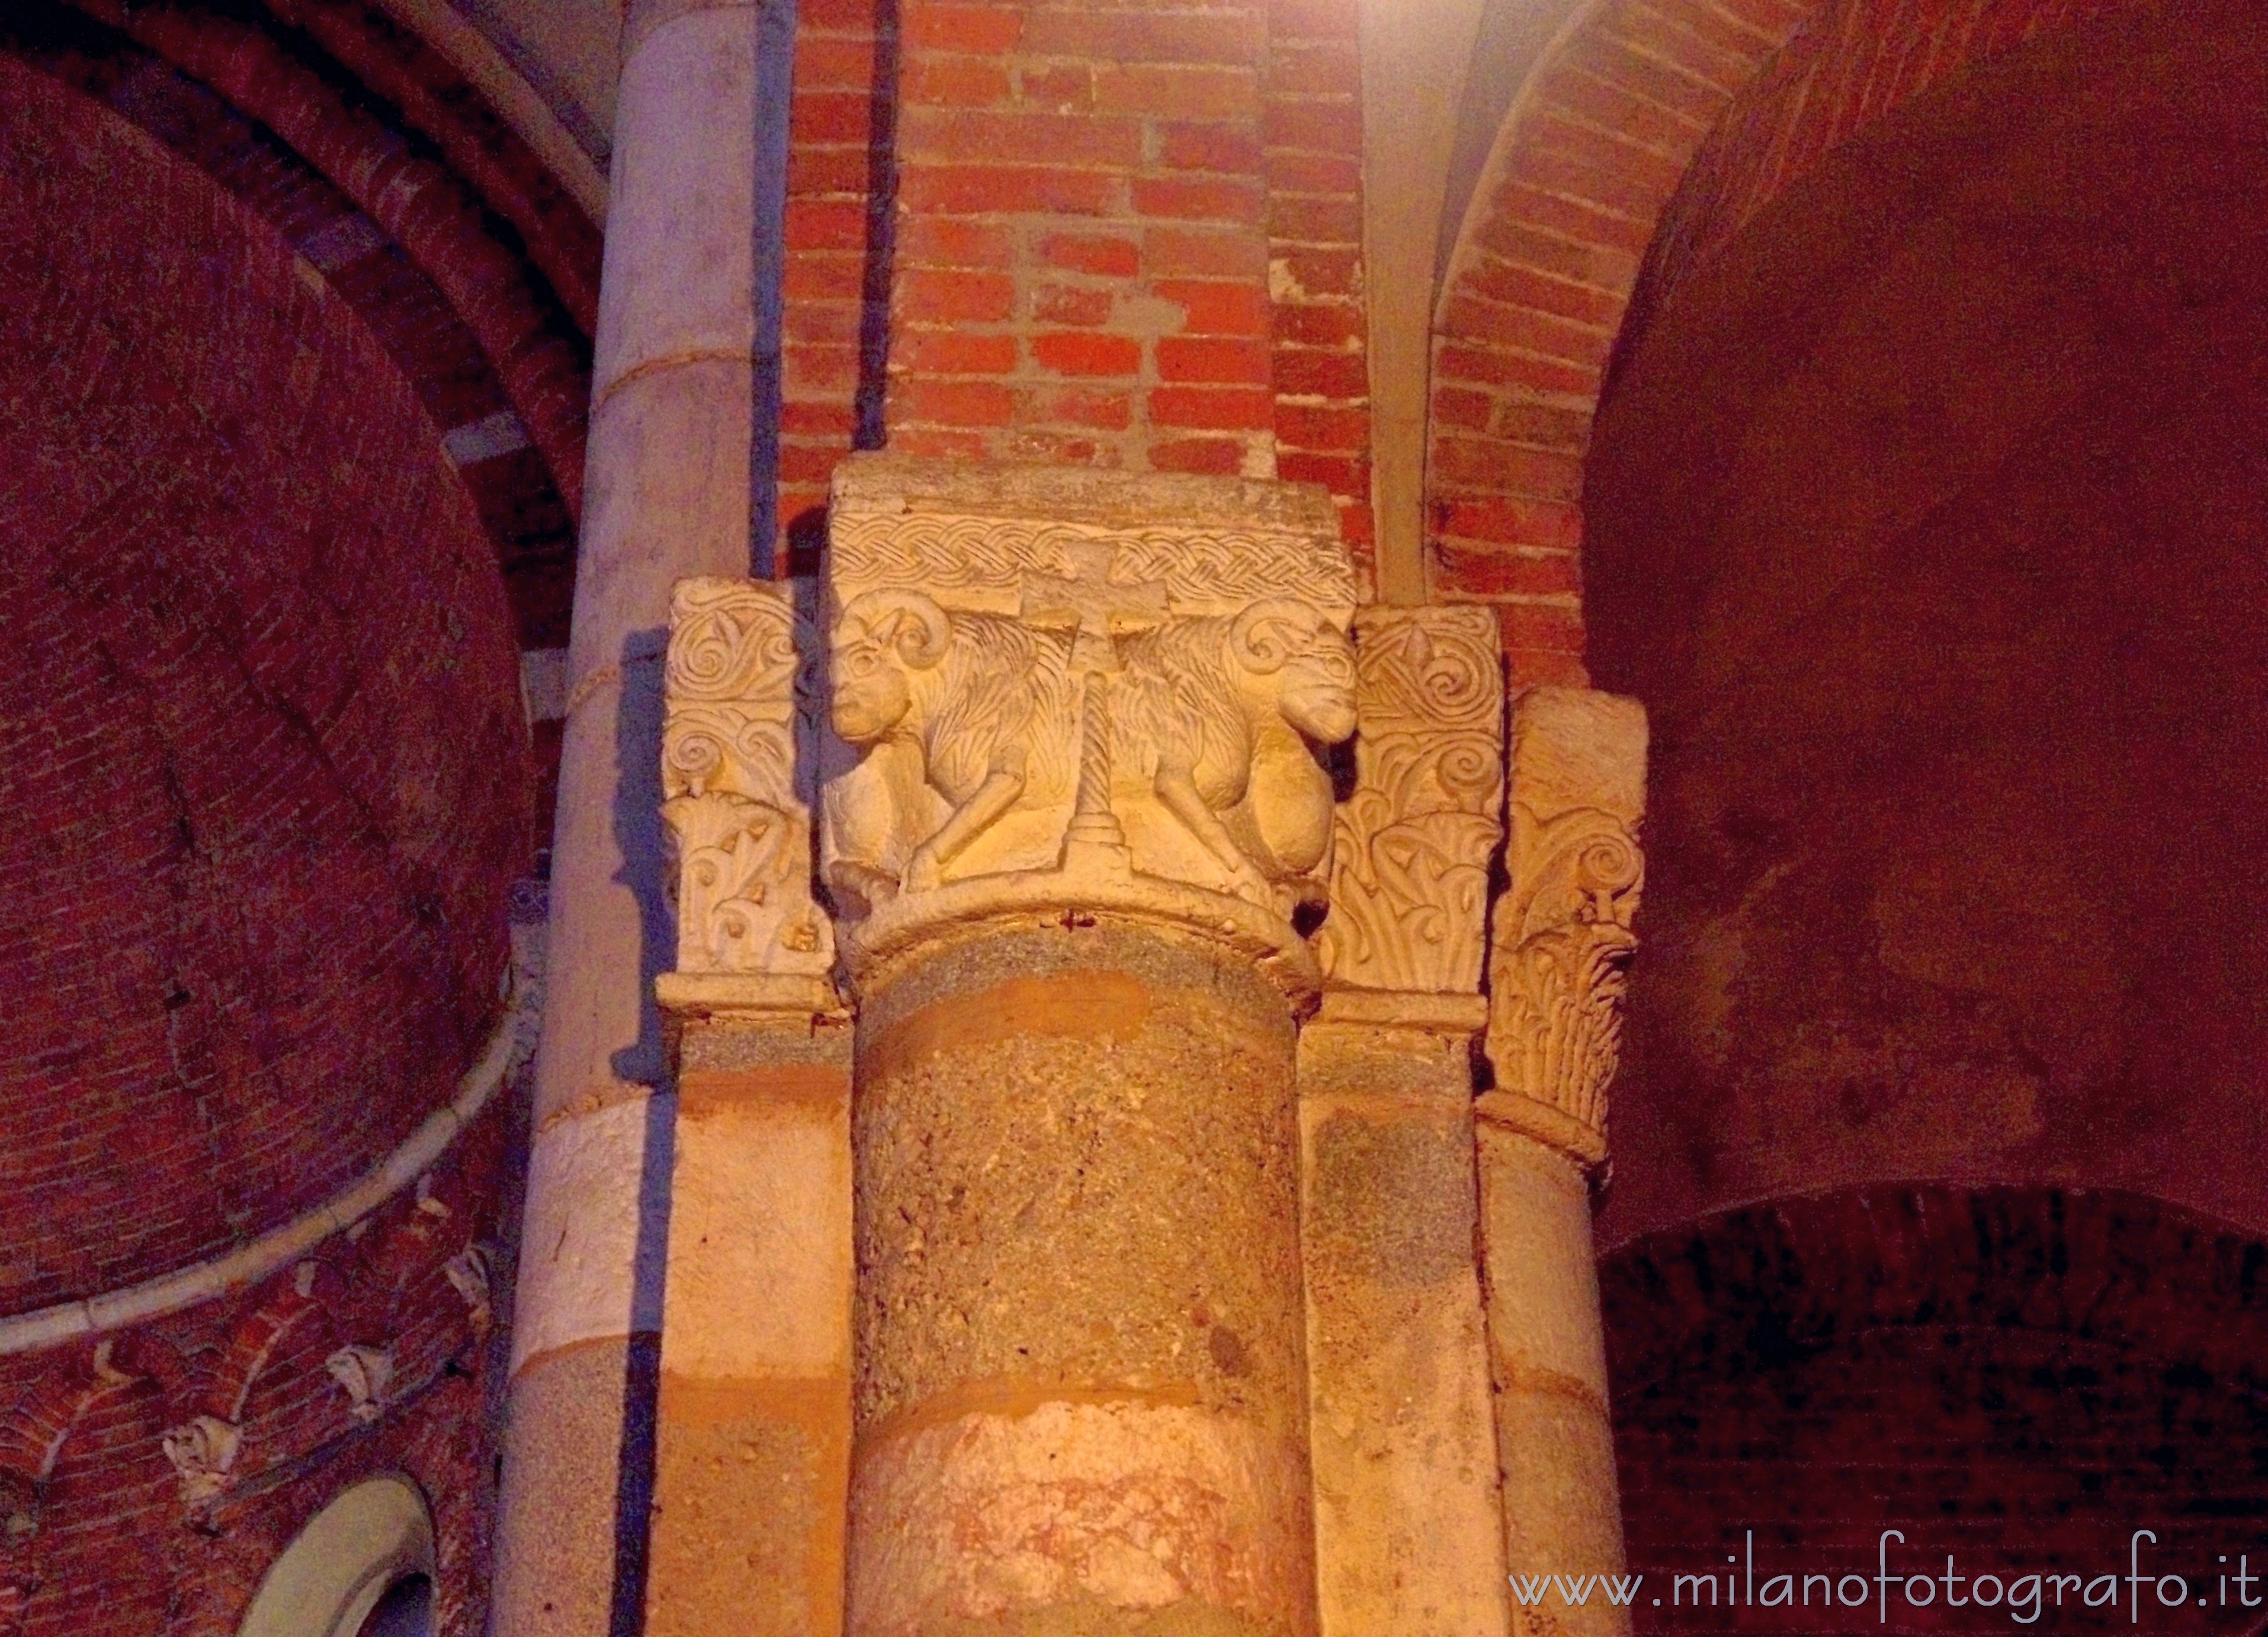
{"x":1079,"y":1387}
{"x":1563,"y":941}
{"x":1563,"y":1521}
{"x":679,"y":359}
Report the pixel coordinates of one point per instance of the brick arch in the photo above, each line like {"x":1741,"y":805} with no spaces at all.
{"x":419,"y":202}
{"x":495,"y":347}
{"x":1856,"y":64}
{"x":1645,"y":138}
{"x":1743,"y":1289}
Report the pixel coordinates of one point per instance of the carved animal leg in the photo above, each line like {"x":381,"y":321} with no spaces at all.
{"x":1179,"y":793}
{"x":993,"y":798}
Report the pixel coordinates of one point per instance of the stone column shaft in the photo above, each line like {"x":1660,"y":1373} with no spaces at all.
{"x":1408,"y":1536}
{"x":1561,"y":942}
{"x":753,"y":1436}
{"x":669,"y":495}
{"x":752,"y":1456}
{"x":1085,"y":810}
{"x":1562,"y":1505}
{"x":1080,"y":1403}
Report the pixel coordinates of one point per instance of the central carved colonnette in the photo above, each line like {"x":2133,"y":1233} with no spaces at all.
{"x":1070,"y":742}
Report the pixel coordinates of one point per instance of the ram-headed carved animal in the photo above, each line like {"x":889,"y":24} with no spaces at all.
{"x":1220,"y":717}
{"x":961,"y":717}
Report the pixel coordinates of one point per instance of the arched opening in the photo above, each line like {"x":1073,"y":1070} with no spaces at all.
{"x":1927,"y":515}
{"x":1929,"y":519}
{"x":363,"y":1567}
{"x":406,"y":1610}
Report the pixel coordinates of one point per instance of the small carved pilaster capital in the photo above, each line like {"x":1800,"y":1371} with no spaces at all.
{"x":1409,"y":868}
{"x":1562,"y":940}
{"x":738,"y":733}
{"x":1076,"y":694}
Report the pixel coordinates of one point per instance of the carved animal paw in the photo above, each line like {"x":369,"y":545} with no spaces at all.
{"x":1248,"y":883}
{"x":924,"y":872}
{"x":859,"y":889}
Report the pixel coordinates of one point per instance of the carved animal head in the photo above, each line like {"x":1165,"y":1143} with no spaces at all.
{"x":882,"y":637}
{"x":1308,"y":663}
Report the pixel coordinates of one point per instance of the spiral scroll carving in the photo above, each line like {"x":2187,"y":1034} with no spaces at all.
{"x":735,"y":721}
{"x":1411,"y":858}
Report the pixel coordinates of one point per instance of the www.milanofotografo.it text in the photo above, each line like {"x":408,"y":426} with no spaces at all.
{"x":2024,"y":1598}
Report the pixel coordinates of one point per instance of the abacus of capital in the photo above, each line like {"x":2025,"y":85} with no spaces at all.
{"x":1076,"y":1169}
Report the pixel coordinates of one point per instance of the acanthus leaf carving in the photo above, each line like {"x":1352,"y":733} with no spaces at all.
{"x":1564,"y":935}
{"x":1415,"y":839}
{"x":736,"y":712}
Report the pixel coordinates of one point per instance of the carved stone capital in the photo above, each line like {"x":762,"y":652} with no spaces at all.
{"x":471,"y":1273}
{"x":737,"y":729}
{"x":1410,"y":870}
{"x":362,"y":1373}
{"x":1562,"y":940}
{"x":1078,"y":693}
{"x":203,"y":1451}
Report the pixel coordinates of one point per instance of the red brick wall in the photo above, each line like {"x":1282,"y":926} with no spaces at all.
{"x":1112,"y":236}
{"x":118,"y":1553}
{"x":834,"y":294}
{"x":267,"y":768}
{"x":1313,"y":124}
{"x":1082,"y":248}
{"x":2020,"y":1378}
{"x":1550,"y":249}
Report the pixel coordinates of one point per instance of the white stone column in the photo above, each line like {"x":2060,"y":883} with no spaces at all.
{"x":1408,"y":1541}
{"x":669,"y":462}
{"x":1561,"y":946}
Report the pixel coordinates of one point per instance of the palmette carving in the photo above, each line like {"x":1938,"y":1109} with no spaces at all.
{"x":1409,"y":875}
{"x":1563,"y":937}
{"x":1116,"y":702}
{"x":735,"y":715}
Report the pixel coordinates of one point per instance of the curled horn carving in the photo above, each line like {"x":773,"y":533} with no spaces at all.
{"x":1267,"y":634}
{"x":910,"y":622}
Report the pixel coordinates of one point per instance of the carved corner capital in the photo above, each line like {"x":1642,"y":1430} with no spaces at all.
{"x":1562,"y":939}
{"x":1410,"y":869}
{"x":1081,"y":693}
{"x":737,"y":733}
